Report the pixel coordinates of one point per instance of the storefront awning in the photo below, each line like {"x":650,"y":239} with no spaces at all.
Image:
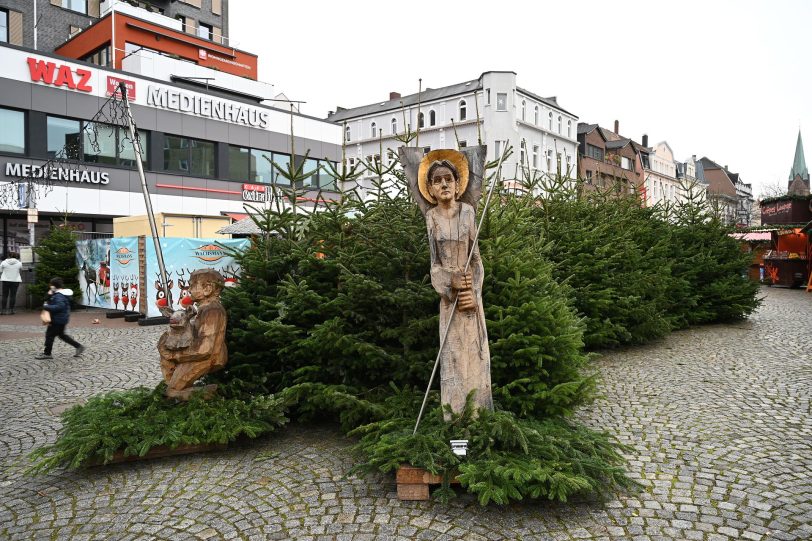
{"x":753,"y":236}
{"x":236,"y":216}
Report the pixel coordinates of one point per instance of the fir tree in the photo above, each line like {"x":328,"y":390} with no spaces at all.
{"x":56,"y":256}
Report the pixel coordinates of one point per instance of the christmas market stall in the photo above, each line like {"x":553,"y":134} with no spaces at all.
{"x":787,"y":264}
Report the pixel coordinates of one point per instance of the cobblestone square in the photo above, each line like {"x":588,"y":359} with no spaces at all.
{"x":718,"y":420}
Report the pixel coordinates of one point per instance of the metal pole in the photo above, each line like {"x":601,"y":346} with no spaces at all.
{"x":147,"y":201}
{"x":456,"y":299}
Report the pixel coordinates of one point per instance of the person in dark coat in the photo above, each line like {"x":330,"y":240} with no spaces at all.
{"x":58,"y":304}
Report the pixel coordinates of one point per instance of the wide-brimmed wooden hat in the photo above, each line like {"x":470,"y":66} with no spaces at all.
{"x":455,"y":158}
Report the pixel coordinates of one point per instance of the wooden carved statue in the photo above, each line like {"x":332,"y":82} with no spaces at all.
{"x":446,"y":184}
{"x":195,"y":344}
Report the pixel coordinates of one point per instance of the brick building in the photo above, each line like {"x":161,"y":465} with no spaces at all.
{"x":609,"y":160}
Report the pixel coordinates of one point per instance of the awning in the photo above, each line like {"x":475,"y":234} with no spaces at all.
{"x":753,"y":236}
{"x":236,"y":216}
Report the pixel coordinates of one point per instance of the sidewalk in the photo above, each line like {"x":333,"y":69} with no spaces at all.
{"x":80,"y":318}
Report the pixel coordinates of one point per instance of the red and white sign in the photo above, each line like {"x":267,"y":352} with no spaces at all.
{"x":202,"y":54}
{"x":55,"y":74}
{"x":114,"y":87}
{"x":253,"y":188}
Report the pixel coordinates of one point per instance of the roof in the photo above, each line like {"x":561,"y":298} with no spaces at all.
{"x":753,"y":236}
{"x":799,"y":163}
{"x":583,"y":128}
{"x":619,"y":143}
{"x":430,"y":94}
{"x":552,"y":101}
{"x":246,"y":226}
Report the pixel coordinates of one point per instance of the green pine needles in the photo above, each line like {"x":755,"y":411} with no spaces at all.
{"x":136,"y":420}
{"x":509,"y":458}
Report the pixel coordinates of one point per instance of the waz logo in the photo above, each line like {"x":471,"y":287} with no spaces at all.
{"x":209,"y":253}
{"x":59,"y":75}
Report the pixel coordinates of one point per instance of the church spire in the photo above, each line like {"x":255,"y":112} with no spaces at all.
{"x":799,"y":163}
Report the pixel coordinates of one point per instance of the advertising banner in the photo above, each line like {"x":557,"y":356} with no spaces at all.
{"x":93,"y":260}
{"x":124,"y":275}
{"x":182,"y":256}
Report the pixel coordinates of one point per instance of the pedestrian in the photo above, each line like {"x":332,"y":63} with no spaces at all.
{"x":10,"y":278}
{"x":58,"y":305}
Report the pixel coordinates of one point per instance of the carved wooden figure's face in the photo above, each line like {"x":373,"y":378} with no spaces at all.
{"x":443,"y":185}
{"x":200,"y":290}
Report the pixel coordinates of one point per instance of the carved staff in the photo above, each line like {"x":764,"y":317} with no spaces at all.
{"x":496,"y":181}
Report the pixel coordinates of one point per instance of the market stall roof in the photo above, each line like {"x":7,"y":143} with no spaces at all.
{"x":236,"y":216}
{"x":246,"y":226}
{"x":753,"y":236}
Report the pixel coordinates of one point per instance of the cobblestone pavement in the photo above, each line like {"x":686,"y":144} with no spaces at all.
{"x":718,"y":419}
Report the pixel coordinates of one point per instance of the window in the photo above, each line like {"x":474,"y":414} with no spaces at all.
{"x":183,"y":22}
{"x":100,"y":143}
{"x":524,"y":109}
{"x":205,"y":31}
{"x":551,"y":120}
{"x":589,"y":177}
{"x":497,"y":148}
{"x":426,"y":150}
{"x":373,"y":129}
{"x":100,"y":57}
{"x":4,"y":25}
{"x":63,"y":138}
{"x":535,"y":156}
{"x":12,"y":136}
{"x":522,"y":152}
{"x":536,"y":115}
{"x":569,"y":129}
{"x":432,"y":118}
{"x":559,"y":124}
{"x":394,"y":127}
{"x":421,"y":120}
{"x":311,"y":167}
{"x":262,"y":171}
{"x":282,"y":161}
{"x":463,"y":144}
{"x":463,"y":110}
{"x":239,"y":163}
{"x":347,"y":133}
{"x":75,"y":5}
{"x":594,"y":152}
{"x":190,"y":156}
{"x":501,"y":101}
{"x":626,"y":163}
{"x":487,"y":96}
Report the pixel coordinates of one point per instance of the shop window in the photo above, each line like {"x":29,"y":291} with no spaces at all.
{"x":176,"y":154}
{"x":239,"y":163}
{"x":311,"y":166}
{"x":64,"y":138}
{"x":326,"y":180}
{"x":126,"y":153}
{"x":262,"y":166}
{"x":12,"y":136}
{"x":4,"y":25}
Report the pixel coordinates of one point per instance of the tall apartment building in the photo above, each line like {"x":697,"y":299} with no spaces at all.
{"x":492,"y":107}
{"x":208,"y":131}
{"x":44,"y":25}
{"x":732,"y":197}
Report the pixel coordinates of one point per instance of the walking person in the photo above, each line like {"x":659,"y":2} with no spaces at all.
{"x":58,"y":305}
{"x":10,"y":277}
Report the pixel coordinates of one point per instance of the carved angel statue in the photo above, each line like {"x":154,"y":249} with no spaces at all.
{"x":446,"y":185}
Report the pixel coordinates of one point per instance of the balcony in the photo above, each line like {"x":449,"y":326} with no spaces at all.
{"x":120,"y":6}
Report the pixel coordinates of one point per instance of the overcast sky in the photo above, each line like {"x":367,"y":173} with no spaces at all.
{"x":731,"y":80}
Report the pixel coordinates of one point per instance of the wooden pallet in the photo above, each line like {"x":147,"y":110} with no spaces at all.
{"x":414,"y":483}
{"x":160,"y":452}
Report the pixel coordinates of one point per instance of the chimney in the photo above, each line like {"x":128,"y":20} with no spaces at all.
{"x":394,"y":96}
{"x":645,"y":140}
{"x":693,"y":157}
{"x":617,"y":127}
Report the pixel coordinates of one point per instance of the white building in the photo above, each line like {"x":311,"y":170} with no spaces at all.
{"x":491,"y":109}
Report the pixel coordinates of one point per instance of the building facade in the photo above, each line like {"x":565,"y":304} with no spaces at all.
{"x":728,"y":193}
{"x":799,"y":174}
{"x":609,"y":161}
{"x":491,"y":109}
{"x":60,"y":20}
{"x":209,"y":141}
